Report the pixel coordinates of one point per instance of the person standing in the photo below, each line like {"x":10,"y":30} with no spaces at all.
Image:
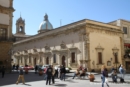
{"x":49,"y":75}
{"x":3,"y":71}
{"x":103,"y":75}
{"x":13,"y":67}
{"x":53,"y":75}
{"x":36,"y":68}
{"x":122,"y":72}
{"x":17,"y":67}
{"x":21,"y":76}
{"x":63,"y":72}
{"x":59,"y":72}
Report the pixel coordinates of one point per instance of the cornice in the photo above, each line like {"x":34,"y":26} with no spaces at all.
{"x":103,"y":29}
{"x":54,"y":32}
{"x":7,"y":8}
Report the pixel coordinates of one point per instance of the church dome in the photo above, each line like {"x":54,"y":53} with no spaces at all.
{"x":45,"y":25}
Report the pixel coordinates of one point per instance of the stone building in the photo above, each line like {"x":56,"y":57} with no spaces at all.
{"x":6,"y":18}
{"x":86,"y":42}
{"x":125,"y":27}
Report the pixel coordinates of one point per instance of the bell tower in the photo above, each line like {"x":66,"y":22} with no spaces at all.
{"x":20,"y":26}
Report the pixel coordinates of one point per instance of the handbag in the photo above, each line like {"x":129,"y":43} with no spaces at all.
{"x":106,"y":80}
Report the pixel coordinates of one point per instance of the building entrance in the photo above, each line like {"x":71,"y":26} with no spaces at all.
{"x":63,"y":60}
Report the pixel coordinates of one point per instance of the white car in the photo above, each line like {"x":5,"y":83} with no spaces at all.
{"x":58,"y":66}
{"x":43,"y":67}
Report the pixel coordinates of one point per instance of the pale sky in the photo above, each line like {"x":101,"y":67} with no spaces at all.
{"x":68,"y":11}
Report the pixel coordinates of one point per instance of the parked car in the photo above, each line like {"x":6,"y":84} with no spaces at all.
{"x":67,"y":69}
{"x":27,"y":67}
{"x":42,"y":67}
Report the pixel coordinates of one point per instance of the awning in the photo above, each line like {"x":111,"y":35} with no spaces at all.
{"x":127,"y":45}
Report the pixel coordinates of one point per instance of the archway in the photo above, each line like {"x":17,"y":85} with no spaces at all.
{"x":63,"y":60}
{"x":47,"y":60}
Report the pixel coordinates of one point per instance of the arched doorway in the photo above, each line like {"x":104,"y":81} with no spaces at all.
{"x":34,"y":61}
{"x":63,"y":60}
{"x":47,"y":60}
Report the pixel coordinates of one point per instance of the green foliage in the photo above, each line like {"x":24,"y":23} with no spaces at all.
{"x":127,"y":51}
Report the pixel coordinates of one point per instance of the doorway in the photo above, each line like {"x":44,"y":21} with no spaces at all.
{"x":63,"y":61}
{"x":47,"y":60}
{"x":127,"y":65}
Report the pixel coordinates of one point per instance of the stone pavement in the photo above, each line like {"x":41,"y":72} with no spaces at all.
{"x":33,"y":80}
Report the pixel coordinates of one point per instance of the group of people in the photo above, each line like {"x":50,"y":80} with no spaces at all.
{"x":15,"y":67}
{"x":81,"y":71}
{"x":104,"y":74}
{"x":51,"y":73}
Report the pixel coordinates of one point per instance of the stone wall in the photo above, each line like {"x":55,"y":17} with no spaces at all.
{"x":5,"y":58}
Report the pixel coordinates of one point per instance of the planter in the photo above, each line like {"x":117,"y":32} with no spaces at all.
{"x":40,"y":73}
{"x":91,"y":77}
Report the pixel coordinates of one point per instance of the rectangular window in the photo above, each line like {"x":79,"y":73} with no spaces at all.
{"x":125,"y":30}
{"x":54,"y":58}
{"x":73,"y":57}
{"x":100,"y":57}
{"x":3,"y":33}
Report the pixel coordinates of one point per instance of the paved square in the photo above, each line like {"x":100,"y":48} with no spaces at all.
{"x":34,"y":80}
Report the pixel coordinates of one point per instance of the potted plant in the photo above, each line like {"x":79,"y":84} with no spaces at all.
{"x":40,"y":72}
{"x":91,"y":77}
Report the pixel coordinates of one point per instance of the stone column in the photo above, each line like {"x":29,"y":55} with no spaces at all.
{"x":66,"y":60}
{"x":32,"y":60}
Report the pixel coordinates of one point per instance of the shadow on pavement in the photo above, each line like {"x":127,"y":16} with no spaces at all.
{"x":12,"y":78}
{"x":62,"y":85}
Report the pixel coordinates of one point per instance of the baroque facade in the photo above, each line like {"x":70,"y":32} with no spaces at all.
{"x":86,"y":42}
{"x":6,"y":17}
{"x":125,"y":27}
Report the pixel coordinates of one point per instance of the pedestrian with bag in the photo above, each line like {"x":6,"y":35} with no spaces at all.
{"x":104,"y":75}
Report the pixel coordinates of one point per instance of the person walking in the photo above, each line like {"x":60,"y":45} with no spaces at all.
{"x":21,"y":76}
{"x":3,"y":71}
{"x":49,"y":75}
{"x":63,"y":72}
{"x":53,"y":75}
{"x":103,"y":75}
